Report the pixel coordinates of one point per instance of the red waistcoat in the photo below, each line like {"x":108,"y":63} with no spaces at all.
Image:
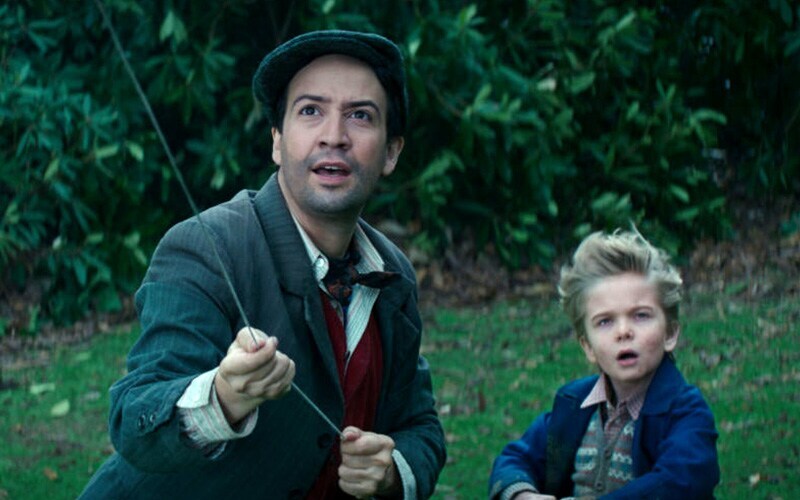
{"x":360,"y":378}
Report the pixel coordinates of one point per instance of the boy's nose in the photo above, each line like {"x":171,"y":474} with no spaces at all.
{"x":624,"y":330}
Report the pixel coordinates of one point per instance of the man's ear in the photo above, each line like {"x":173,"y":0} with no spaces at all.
{"x":393,"y":149}
{"x":276,"y":146}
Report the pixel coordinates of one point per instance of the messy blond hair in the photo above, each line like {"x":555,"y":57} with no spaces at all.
{"x":602,"y":256}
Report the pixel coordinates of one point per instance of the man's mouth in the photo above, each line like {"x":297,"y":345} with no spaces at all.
{"x":334,"y":169}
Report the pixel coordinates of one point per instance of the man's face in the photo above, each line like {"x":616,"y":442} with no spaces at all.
{"x":333,"y":148}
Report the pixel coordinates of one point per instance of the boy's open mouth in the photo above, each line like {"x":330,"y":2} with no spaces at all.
{"x":627,"y":356}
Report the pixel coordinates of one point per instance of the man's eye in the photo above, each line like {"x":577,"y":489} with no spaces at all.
{"x":308,"y":110}
{"x":360,"y":114}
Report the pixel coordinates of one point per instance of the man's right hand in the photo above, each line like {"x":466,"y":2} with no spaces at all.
{"x":251,"y":373}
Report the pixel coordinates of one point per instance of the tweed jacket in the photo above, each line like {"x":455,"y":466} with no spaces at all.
{"x":674,"y":443}
{"x":189,"y":318}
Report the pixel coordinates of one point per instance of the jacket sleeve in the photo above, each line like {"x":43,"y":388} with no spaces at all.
{"x":681,"y":449}
{"x":412,"y":421}
{"x":185,"y":332}
{"x":523,"y":460}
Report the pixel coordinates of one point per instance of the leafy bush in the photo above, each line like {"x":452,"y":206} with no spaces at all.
{"x":533,"y":122}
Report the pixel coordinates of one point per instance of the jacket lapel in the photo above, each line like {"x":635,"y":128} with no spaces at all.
{"x":292,"y":267}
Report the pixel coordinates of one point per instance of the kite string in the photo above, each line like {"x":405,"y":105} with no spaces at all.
{"x":190,"y":199}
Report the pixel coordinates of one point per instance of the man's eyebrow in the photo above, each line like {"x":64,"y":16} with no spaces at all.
{"x":366,"y":102}
{"x":349,"y":104}
{"x":310,"y":97}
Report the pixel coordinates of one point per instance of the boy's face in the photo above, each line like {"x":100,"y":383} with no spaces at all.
{"x":626,"y":330}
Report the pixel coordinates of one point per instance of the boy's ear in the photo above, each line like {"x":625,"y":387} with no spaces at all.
{"x":671,"y":341}
{"x":587,"y":350}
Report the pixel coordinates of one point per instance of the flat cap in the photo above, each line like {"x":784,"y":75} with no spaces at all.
{"x":279,"y":67}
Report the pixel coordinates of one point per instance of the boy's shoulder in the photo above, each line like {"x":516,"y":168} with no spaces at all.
{"x":577,"y":389}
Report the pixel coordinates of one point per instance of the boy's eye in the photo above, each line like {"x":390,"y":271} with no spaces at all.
{"x":602,"y":322}
{"x":643,"y":315}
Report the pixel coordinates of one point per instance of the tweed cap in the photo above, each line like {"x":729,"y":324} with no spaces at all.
{"x":279,"y":67}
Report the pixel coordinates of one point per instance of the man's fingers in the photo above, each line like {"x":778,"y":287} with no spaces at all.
{"x":357,"y":442}
{"x":249,"y":358}
{"x":251,"y":339}
{"x":351,"y":433}
{"x":277,"y":380}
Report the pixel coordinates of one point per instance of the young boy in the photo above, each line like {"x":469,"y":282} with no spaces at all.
{"x":636,"y":430}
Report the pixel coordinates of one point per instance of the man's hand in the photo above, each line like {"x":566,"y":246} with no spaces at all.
{"x":367,"y":467}
{"x":251,"y":373}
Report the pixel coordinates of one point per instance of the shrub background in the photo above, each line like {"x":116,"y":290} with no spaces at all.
{"x":533,"y":122}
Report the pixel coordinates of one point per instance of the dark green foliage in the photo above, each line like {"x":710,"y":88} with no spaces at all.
{"x":532,"y":123}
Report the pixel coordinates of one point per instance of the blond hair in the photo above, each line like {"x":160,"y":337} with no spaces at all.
{"x":601,"y":256}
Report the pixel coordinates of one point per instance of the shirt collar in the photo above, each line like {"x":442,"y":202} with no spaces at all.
{"x":599,"y":394}
{"x":370,"y":261}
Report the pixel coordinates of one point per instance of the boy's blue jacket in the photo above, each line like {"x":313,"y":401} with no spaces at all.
{"x":674,"y":443}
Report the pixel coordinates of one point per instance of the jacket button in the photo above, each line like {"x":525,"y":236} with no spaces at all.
{"x":142,"y":422}
{"x":324,"y":441}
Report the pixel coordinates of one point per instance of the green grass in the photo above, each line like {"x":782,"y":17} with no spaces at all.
{"x":495,"y":368}
{"x":48,"y":456}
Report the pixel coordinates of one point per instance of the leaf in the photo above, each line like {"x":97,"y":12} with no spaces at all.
{"x":106,"y":151}
{"x":328,"y":6}
{"x":625,"y":21}
{"x":581,"y":82}
{"x":37,"y":389}
{"x":52,"y":168}
{"x":94,"y":238}
{"x":705,"y":114}
{"x":167,"y":27}
{"x":679,"y":193}
{"x":792,"y":46}
{"x":50,"y":473}
{"x":132,"y":240}
{"x":135,"y":150}
{"x":60,"y":409}
{"x":548,"y":84}
{"x":633,"y":110}
{"x":80,"y":271}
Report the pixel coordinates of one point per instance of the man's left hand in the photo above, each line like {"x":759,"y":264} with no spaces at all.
{"x":367,"y":467}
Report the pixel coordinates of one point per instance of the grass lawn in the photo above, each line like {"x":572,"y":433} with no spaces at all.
{"x":495,"y":368}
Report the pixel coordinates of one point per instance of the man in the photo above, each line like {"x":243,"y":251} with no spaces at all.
{"x":207,"y":409}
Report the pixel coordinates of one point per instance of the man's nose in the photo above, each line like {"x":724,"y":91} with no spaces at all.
{"x":334,"y":133}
